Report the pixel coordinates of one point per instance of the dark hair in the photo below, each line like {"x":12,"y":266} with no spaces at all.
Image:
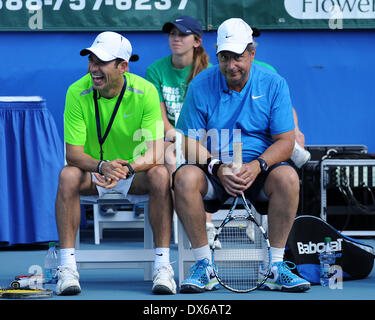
{"x":118,"y":61}
{"x":200,"y":61}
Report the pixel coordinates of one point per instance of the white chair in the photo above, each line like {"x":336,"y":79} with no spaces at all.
{"x":119,"y":219}
{"x":114,"y":258}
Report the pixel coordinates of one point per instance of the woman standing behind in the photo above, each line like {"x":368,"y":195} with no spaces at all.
{"x":171,"y":76}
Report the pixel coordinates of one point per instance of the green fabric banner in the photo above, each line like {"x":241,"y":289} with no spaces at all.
{"x":149,"y":15}
{"x":298,"y":14}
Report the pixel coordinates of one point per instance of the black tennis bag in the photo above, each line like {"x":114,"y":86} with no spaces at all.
{"x":306,"y":241}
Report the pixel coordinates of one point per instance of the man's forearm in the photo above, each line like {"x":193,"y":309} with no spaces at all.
{"x":75,"y":156}
{"x":194,"y":152}
{"x":152,"y":157}
{"x":280,"y":150}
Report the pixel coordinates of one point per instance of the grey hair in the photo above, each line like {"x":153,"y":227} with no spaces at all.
{"x":251,"y":46}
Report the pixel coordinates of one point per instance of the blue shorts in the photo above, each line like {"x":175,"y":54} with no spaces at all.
{"x":252,"y":194}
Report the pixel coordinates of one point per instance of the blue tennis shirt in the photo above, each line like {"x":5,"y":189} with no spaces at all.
{"x":217,"y":117}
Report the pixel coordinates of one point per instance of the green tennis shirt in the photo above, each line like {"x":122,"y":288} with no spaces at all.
{"x":138,"y":119}
{"x":170,"y":83}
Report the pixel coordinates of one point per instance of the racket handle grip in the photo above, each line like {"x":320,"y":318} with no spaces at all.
{"x":237,"y":156}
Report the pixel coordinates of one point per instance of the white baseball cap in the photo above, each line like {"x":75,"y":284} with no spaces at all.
{"x":234,"y":35}
{"x":108,"y":46}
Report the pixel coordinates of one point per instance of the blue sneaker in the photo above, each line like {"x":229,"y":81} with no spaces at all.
{"x":283,"y":279}
{"x":202,"y":278}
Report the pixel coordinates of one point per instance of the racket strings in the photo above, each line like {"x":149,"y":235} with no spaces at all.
{"x":243,"y":255}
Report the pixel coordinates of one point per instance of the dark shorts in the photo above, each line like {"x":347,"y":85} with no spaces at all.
{"x":252,"y":194}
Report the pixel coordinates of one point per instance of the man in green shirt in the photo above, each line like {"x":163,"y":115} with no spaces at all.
{"x":114,"y":134}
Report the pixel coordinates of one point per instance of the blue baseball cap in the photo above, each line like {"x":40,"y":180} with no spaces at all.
{"x":185,"y":24}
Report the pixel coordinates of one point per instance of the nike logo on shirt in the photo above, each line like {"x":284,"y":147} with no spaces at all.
{"x":257,"y":97}
{"x":127,"y":115}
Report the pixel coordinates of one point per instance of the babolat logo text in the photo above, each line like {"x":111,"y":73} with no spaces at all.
{"x":311,"y":247}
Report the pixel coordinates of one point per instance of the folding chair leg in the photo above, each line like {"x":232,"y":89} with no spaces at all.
{"x":76,"y":246}
{"x":175,"y":227}
{"x":148,"y":243}
{"x":96,"y":223}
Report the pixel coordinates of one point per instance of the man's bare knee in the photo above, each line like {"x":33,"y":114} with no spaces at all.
{"x":189,"y":178}
{"x":72,"y":180}
{"x":159,"y":178}
{"x":283,"y":179}
{"x":70,"y":176}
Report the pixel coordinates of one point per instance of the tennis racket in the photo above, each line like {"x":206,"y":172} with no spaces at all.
{"x":25,"y":293}
{"x":243,"y":262}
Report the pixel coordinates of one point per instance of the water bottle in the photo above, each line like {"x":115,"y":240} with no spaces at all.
{"x":327,"y":259}
{"x":50,"y":266}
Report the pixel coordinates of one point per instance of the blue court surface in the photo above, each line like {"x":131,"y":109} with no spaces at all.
{"x":126,"y":287}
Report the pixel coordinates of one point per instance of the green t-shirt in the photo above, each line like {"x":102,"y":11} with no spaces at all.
{"x":170,"y":83}
{"x":265,"y":65}
{"x":138,"y":119}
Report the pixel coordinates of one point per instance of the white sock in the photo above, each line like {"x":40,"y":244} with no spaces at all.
{"x":277,"y":254}
{"x":161,"y":258}
{"x":68,"y":258}
{"x":202,"y":253}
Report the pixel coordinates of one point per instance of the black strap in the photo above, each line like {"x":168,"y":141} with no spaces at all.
{"x":98,"y":128}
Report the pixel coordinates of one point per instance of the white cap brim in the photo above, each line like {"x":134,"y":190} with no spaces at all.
{"x":100,"y":53}
{"x":237,"y":48}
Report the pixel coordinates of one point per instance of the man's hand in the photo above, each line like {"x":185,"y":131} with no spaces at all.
{"x":236,"y":180}
{"x":112,"y":172}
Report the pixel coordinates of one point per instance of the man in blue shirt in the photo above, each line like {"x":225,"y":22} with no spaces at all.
{"x":237,"y":101}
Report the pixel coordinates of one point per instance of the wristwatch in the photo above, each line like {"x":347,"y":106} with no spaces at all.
{"x":131,"y":170}
{"x":263,"y":164}
{"x":99,"y":167}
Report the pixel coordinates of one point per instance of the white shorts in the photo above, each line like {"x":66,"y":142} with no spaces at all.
{"x":122,"y":187}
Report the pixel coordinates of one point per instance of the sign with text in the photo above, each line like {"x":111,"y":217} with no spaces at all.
{"x":150,"y":15}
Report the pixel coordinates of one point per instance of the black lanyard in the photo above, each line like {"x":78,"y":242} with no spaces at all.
{"x":98,"y":128}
